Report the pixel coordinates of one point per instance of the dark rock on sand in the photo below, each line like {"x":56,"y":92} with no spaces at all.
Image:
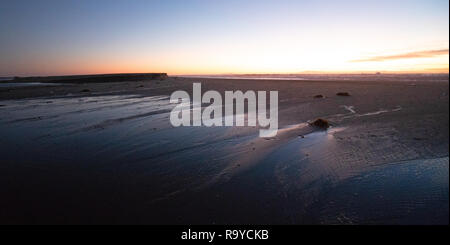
{"x":319,"y":96}
{"x":85,"y":90}
{"x":321,"y":123}
{"x":343,"y":94}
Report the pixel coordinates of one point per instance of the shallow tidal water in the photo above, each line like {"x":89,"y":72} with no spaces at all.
{"x":117,"y":159}
{"x":28,"y":84}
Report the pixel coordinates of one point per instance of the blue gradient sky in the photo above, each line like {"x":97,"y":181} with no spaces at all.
{"x":211,"y":37}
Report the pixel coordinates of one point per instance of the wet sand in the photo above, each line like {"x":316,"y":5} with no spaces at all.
{"x":105,"y":153}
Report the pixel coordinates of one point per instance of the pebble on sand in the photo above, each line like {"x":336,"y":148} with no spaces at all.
{"x":343,"y":94}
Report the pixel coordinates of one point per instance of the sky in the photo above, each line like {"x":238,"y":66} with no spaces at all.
{"x":222,"y":36}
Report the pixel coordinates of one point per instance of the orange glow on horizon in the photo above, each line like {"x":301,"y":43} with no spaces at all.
{"x":248,"y":63}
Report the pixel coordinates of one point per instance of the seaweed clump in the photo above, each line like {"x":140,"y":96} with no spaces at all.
{"x":343,"y":94}
{"x":321,"y":123}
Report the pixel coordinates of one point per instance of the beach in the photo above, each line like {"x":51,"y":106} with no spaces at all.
{"x":106,"y":153}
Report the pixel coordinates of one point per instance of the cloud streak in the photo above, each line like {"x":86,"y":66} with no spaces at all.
{"x":409,"y":55}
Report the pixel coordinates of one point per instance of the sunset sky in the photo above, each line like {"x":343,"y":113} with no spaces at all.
{"x":217,"y":37}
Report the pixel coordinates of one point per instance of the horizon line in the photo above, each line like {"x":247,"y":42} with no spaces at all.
{"x":442,"y":72}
